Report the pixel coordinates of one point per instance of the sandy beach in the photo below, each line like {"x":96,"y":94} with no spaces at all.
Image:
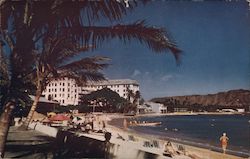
{"x":190,"y":151}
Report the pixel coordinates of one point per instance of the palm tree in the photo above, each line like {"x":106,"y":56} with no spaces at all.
{"x":137,"y":96}
{"x":38,"y":19}
{"x":14,"y":89}
{"x":27,"y":25}
{"x":133,"y":98}
{"x":130,"y":95}
{"x":52,"y":64}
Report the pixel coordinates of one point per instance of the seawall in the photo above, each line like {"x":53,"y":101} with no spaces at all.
{"x":78,"y":144}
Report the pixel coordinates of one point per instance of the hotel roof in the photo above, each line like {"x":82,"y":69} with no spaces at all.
{"x":115,"y":82}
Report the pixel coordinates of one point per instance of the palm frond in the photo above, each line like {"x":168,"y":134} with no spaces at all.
{"x":69,"y":11}
{"x":61,"y":49}
{"x":90,"y":63}
{"x":155,"y":38}
{"x":53,"y":16}
{"x":4,"y":71}
{"x":81,"y":76}
{"x":83,"y":70}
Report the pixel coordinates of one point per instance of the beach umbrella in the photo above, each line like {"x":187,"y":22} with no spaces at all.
{"x":51,"y":114}
{"x":59,"y":117}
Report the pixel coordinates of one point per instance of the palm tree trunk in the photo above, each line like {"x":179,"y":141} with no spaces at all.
{"x":32,"y":110}
{"x":4,"y":126}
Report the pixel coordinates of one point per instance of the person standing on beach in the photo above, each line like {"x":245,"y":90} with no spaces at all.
{"x":224,"y":141}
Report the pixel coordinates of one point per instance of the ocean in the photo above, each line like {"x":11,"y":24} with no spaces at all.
{"x":201,"y":130}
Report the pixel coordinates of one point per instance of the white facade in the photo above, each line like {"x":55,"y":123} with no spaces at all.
{"x":66,"y":91}
{"x":157,"y":107}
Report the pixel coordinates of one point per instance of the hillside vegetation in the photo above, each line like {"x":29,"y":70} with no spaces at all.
{"x":231,"y":99}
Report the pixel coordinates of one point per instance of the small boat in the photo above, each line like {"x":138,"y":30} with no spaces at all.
{"x":148,"y":124}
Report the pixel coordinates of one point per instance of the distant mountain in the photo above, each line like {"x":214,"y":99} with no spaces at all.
{"x":232,"y":98}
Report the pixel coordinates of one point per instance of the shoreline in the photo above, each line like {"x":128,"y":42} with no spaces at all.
{"x":132,"y":141}
{"x":198,"y":149}
{"x":191,"y":113}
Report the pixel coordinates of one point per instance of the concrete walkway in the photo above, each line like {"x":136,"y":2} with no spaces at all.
{"x":28,"y":144}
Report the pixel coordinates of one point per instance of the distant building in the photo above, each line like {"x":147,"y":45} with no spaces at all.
{"x":66,"y":91}
{"x":142,"y":109}
{"x":181,"y":109}
{"x":240,"y":110}
{"x":157,"y":107}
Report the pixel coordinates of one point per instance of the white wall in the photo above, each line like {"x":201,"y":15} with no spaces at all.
{"x":66,"y":92}
{"x":50,"y":131}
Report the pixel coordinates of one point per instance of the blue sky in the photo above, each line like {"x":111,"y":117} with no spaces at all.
{"x":214,"y":37}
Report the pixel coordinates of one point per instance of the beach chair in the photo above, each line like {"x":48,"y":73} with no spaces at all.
{"x":147,"y":144}
{"x":156,"y":144}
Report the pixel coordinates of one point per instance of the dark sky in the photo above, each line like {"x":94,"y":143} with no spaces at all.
{"x":214,"y":37}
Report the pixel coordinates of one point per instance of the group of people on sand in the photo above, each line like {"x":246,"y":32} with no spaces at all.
{"x":170,"y":151}
{"x":88,"y":123}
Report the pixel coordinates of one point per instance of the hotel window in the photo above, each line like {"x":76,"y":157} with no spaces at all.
{"x":68,"y":90}
{"x":52,"y":89}
{"x":75,"y":90}
{"x":60,"y":84}
{"x":63,"y":89}
{"x":62,"y":95}
{"x":55,"y":95}
{"x":63,"y":84}
{"x":117,"y":90}
{"x":68,"y":84}
{"x":68,"y":95}
{"x":55,"y":89}
{"x":62,"y":101}
{"x":60,"y":89}
{"x":75,"y":95}
{"x":55,"y":84}
{"x":49,"y":90}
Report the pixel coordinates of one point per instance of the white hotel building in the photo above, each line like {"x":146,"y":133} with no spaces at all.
{"x":66,"y":91}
